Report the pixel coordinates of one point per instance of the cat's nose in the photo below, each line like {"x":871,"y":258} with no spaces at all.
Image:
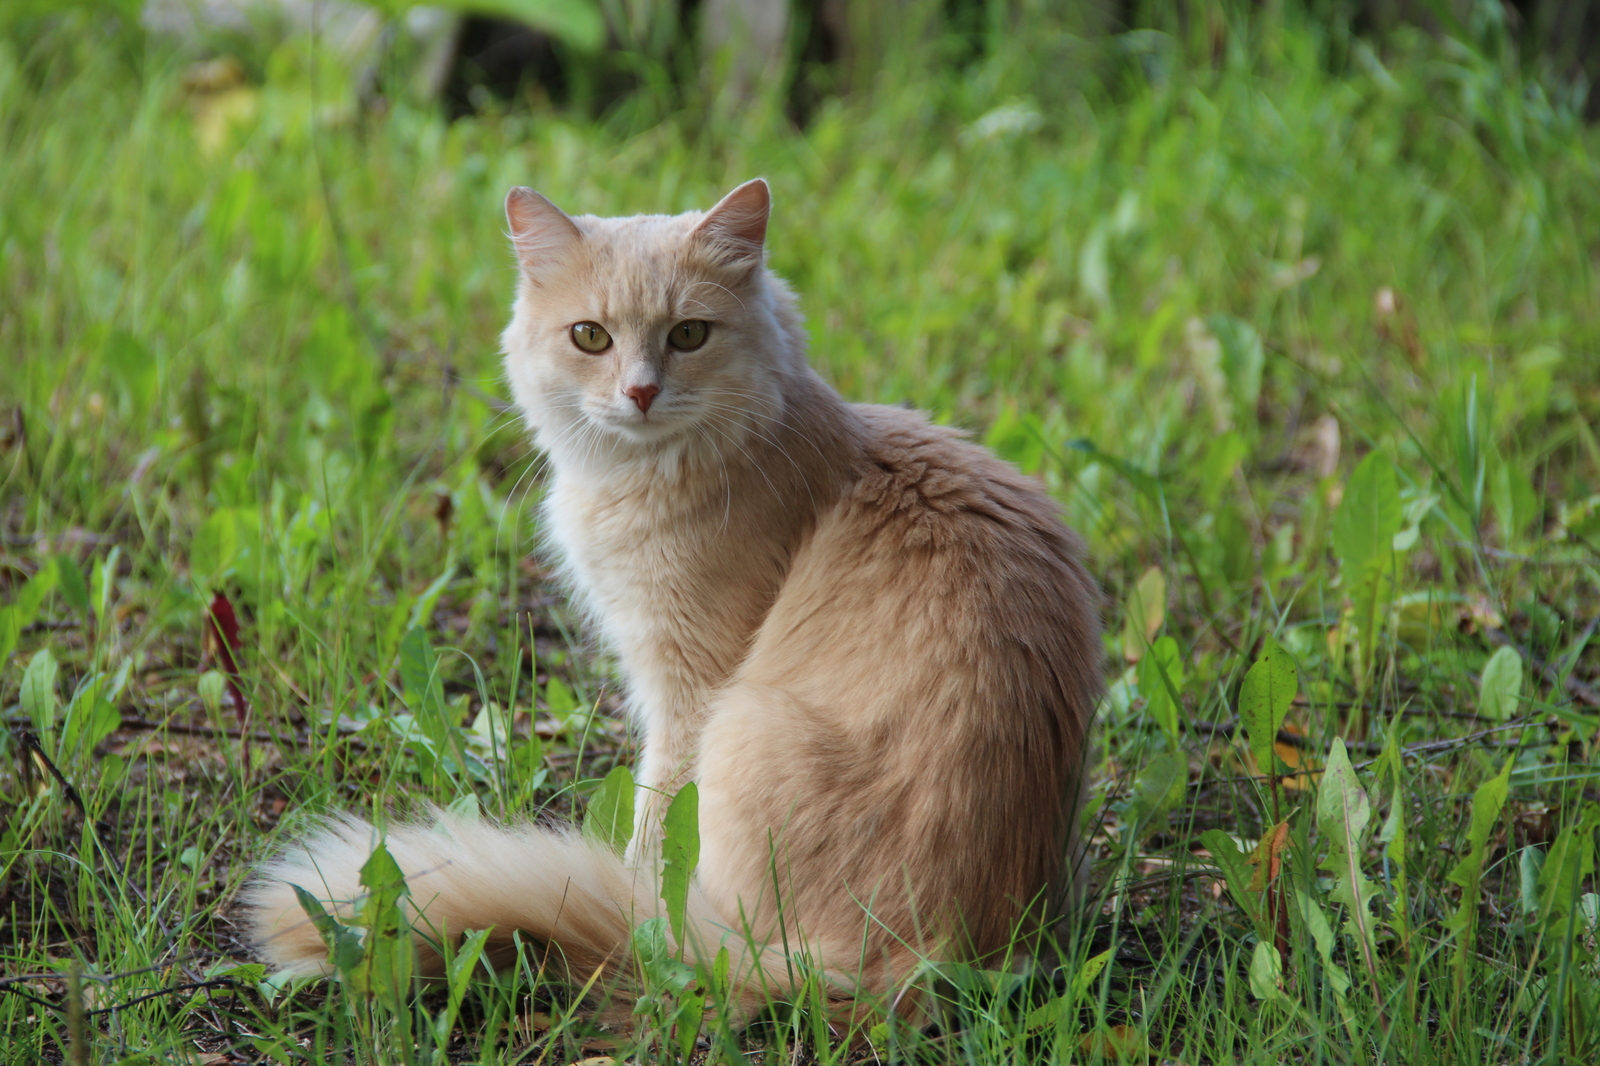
{"x":642,"y":395}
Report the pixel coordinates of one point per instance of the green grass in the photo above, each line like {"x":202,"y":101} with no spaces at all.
{"x":1190,"y":283}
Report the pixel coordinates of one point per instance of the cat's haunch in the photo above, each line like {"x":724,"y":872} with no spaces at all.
{"x":871,"y":643}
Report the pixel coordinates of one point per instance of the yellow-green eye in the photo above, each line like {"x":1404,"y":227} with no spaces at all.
{"x":688,"y":335}
{"x":591,"y":337}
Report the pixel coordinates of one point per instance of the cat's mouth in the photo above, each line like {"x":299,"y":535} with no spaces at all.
{"x":660,"y":423}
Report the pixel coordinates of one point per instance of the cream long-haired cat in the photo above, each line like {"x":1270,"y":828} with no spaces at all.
{"x":870,"y":643}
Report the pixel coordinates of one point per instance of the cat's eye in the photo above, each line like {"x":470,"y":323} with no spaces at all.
{"x":591,"y":337}
{"x":688,"y":335}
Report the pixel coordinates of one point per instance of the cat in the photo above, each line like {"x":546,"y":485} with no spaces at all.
{"x":871,"y":644}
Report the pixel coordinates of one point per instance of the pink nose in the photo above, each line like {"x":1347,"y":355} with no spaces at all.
{"x":642,"y":395}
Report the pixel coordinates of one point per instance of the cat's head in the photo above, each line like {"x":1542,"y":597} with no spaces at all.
{"x":644,"y":331}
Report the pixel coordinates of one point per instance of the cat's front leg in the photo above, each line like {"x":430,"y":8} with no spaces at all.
{"x":659,"y":779}
{"x":667,"y":758}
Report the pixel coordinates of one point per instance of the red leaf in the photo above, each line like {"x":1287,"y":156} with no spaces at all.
{"x":222,"y":642}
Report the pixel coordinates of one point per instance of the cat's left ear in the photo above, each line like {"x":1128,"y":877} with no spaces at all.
{"x":540,"y":231}
{"x":737,"y":227}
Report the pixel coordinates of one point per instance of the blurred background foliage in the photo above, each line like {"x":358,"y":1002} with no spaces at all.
{"x":1294,"y":306}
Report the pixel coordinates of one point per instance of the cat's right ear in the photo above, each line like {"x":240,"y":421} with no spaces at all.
{"x":736,"y":228}
{"x":540,"y":231}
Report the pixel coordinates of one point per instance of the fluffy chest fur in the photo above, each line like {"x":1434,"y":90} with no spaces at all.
{"x":676,"y":573}
{"x":671,"y":572}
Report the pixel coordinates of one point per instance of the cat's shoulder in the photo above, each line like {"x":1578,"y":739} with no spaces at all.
{"x":914,"y":466}
{"x":901,"y":428}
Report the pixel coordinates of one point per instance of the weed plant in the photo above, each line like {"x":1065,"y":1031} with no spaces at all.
{"x":1302,"y":330}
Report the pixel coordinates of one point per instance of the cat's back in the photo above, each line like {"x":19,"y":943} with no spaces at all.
{"x":949,"y":555}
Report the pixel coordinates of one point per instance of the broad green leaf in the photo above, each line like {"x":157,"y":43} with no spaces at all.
{"x":1343,"y":812}
{"x":1487,"y":803}
{"x":1516,"y":502}
{"x":1393,"y":833}
{"x":135,"y":367}
{"x":1161,"y":682}
{"x":1264,"y":700}
{"x":1567,"y":867}
{"x":680,"y":853}
{"x":458,"y":976}
{"x":558,"y":698}
{"x":466,"y":807}
{"x":90,"y":716}
{"x":1370,"y":596}
{"x":104,"y":580}
{"x":1235,"y":867}
{"x":212,"y":687}
{"x":419,"y":673}
{"x":1087,"y":974}
{"x":1160,"y":787}
{"x":650,"y":947}
{"x":1145,"y":613}
{"x":39,"y":691}
{"x":32,"y":596}
{"x":1322,"y":938}
{"x":1235,"y":553}
{"x":113,"y":770}
{"x":610,"y":816}
{"x":344,"y":944}
{"x":493,"y":724}
{"x":100,"y":719}
{"x":720,"y":968}
{"x":1063,"y":1009}
{"x":689,"y":1017}
{"x":24,"y":609}
{"x":1369,"y":516}
{"x":1266,"y":973}
{"x":1530,"y":864}
{"x":527,"y":761}
{"x":1500,"y":687}
{"x":464,"y":962}
{"x":1049,"y":1015}
{"x":227,"y":542}
{"x":71,"y":583}
{"x":1222,"y":457}
{"x":1242,"y":363}
{"x":390,"y":954}
{"x":245,"y":972}
{"x":1316,"y":924}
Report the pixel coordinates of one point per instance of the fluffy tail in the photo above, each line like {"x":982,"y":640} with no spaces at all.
{"x":577,"y":896}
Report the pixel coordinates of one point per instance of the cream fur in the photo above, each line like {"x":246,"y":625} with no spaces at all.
{"x":870,"y":642}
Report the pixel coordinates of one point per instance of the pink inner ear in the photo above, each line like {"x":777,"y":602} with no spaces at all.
{"x":739,"y":220}
{"x":540,"y":230}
